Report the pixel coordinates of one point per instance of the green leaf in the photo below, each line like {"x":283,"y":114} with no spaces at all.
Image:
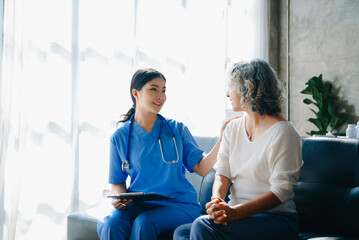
{"x":308,"y":101}
{"x":327,"y":88}
{"x":324,"y":123}
{"x":323,"y":99}
{"x":314,"y":82}
{"x":319,"y":114}
{"x":307,"y":90}
{"x":334,"y":121}
{"x":342,"y":118}
{"x":316,"y":122}
{"x":313,"y":133}
{"x":316,"y":113}
{"x":331,"y":110}
{"x":316,"y":95}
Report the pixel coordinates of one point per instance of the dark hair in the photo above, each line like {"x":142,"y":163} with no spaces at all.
{"x":139,"y":79}
{"x":258,"y":85}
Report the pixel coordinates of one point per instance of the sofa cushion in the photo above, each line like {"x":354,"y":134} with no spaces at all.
{"x":81,"y":226}
{"x":323,"y":236}
{"x":327,"y":193}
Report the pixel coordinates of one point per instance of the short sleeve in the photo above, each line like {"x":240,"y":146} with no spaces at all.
{"x":116,"y":175}
{"x":192,"y":154}
{"x":222,"y":166}
{"x":285,"y":161}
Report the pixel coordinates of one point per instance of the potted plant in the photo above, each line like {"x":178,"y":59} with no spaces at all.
{"x":323,"y":99}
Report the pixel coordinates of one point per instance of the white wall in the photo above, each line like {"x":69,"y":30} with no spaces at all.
{"x":323,"y":38}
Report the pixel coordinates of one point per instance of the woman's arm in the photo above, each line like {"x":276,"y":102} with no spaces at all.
{"x":220,"y":186}
{"x":222,"y":213}
{"x":263,"y":203}
{"x":219,"y":192}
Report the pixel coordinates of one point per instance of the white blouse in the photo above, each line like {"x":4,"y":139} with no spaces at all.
{"x":271,"y":162}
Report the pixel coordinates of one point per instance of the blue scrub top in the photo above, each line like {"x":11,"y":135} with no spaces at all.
{"x":148,"y":172}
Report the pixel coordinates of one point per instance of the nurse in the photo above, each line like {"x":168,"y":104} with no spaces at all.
{"x":155,"y":153}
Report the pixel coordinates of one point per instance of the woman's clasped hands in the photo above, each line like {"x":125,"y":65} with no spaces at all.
{"x":219,"y":211}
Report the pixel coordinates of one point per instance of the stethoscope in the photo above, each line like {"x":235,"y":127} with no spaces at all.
{"x":126,"y":165}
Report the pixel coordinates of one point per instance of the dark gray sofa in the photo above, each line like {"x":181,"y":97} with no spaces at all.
{"x":327,"y":196}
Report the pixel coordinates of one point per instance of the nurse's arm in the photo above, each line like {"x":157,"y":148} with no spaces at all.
{"x":204,"y":166}
{"x":118,"y":188}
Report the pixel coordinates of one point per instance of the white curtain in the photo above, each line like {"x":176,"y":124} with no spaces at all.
{"x":246,"y":34}
{"x":65,"y":68}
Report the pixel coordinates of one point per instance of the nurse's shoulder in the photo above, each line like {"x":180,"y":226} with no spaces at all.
{"x":177,"y":126}
{"x":120,"y":132}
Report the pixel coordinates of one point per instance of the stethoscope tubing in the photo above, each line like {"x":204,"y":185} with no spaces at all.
{"x":126,"y":165}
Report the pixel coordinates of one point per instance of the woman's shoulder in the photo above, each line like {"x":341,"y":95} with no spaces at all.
{"x":235,"y":123}
{"x":284,"y":126}
{"x":285,"y":129}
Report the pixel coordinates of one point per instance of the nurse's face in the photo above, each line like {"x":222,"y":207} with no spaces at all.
{"x":235,"y":99}
{"x":152,"y":96}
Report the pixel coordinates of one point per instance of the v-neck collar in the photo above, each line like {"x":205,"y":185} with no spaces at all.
{"x":264,"y":133}
{"x":154,"y":131}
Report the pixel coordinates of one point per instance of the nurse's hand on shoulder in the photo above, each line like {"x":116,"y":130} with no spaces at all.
{"x":120,"y":204}
{"x":225,"y":125}
{"x":220,"y":212}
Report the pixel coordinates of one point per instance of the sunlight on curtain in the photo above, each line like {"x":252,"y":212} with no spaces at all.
{"x":246,"y":35}
{"x":66,"y":71}
{"x":107,"y":47}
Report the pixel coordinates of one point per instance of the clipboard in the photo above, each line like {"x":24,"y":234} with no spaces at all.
{"x":140,"y":196}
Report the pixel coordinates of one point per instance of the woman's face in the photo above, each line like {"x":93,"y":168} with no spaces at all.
{"x":235,"y":99}
{"x":152,"y":96}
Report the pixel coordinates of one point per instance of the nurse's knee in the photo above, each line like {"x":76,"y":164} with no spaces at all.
{"x":113,"y":225}
{"x":143,"y":221}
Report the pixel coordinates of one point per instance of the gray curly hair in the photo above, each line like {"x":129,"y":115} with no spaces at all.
{"x":258,"y":85}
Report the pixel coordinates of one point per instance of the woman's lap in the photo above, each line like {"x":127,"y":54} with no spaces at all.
{"x":262,"y":226}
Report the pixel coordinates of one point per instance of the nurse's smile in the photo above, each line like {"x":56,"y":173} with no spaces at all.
{"x":157,"y":104}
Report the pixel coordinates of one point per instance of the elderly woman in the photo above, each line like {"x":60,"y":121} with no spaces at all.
{"x":260,"y":155}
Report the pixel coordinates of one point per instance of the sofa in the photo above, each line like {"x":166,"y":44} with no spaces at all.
{"x":327,"y":195}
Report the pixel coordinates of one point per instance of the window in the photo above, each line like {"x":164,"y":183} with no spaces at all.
{"x":66,"y":70}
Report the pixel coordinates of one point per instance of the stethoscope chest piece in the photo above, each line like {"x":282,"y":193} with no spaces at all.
{"x":125,"y":165}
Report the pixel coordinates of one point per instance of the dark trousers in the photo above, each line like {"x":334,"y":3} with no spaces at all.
{"x":268,"y":226}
